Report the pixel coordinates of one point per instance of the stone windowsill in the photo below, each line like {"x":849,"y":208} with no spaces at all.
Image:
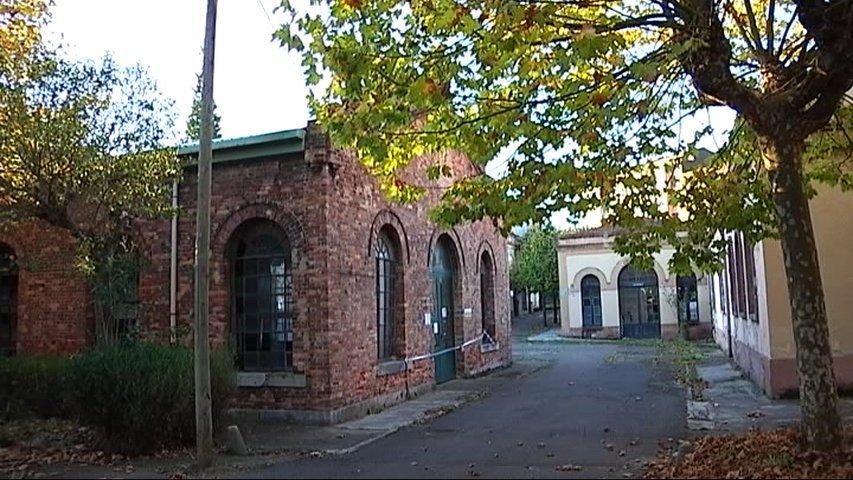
{"x":390,"y":367}
{"x":271,"y":379}
{"x":490,"y":347}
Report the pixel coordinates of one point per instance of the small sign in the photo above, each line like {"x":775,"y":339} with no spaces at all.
{"x":435,"y":328}
{"x":468,"y":312}
{"x":427,"y":318}
{"x":443,"y":312}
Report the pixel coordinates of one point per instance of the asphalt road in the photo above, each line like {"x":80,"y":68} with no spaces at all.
{"x":603,"y":407}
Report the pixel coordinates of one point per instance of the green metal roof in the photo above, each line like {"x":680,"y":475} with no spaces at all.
{"x":244,"y":148}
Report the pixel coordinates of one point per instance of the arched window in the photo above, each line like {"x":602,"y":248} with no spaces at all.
{"x":262,"y":327}
{"x":386,"y":294}
{"x":487,"y":297}
{"x":8,"y":300}
{"x":591,"y":301}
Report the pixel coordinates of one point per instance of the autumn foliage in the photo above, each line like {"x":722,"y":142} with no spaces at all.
{"x":755,"y":454}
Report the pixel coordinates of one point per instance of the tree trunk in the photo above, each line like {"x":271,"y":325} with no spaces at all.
{"x":820,"y":425}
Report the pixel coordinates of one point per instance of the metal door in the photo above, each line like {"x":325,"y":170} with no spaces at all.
{"x":442,"y":271}
{"x":639,"y":303}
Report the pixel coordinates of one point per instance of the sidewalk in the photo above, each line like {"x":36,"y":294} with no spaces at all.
{"x":733,"y":403}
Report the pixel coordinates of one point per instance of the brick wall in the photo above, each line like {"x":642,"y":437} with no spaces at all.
{"x":331,"y":210}
{"x":54,"y":312}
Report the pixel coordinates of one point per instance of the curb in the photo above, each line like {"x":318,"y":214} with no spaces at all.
{"x":427,"y":415}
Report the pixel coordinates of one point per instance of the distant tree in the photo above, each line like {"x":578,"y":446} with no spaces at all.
{"x":534,"y":265}
{"x":194,"y":120}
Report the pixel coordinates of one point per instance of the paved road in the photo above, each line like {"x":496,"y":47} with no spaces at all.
{"x":588,"y":398}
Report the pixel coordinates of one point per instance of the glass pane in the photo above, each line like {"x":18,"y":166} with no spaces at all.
{"x":279,"y":284}
{"x":263,"y":291}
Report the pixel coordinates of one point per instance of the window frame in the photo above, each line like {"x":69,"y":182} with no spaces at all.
{"x":250,"y":272}
{"x":386,"y":270}
{"x":584,"y":290}
{"x":487,"y":298}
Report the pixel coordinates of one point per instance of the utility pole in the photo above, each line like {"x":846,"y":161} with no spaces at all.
{"x":203,"y":415}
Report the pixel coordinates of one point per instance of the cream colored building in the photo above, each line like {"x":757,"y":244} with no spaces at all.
{"x":752,"y":316}
{"x":602,"y":296}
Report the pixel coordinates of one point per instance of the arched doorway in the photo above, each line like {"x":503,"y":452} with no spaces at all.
{"x":444,"y":278}
{"x":487,"y":298}
{"x":639,"y":303}
{"x":8,"y":300}
{"x":687,"y":294}
{"x":591,"y":302}
{"x":262,"y":297}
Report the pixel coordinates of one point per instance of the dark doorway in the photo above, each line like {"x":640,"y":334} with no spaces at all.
{"x":8,"y":301}
{"x":688,"y":299}
{"x":639,"y":303}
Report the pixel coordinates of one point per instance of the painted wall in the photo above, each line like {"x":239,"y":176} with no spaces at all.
{"x":834,"y":238}
{"x":765,"y":350}
{"x":579,"y":257}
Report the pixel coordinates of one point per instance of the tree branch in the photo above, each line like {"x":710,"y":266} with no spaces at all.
{"x":709,"y":63}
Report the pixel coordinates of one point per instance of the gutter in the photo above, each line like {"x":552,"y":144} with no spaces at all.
{"x":173,"y":268}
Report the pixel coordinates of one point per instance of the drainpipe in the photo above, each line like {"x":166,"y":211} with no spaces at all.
{"x":173,"y":268}
{"x":728,"y":321}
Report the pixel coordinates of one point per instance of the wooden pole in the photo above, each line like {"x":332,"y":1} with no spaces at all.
{"x":204,"y":419}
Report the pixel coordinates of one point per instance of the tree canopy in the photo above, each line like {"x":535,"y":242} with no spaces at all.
{"x":82,"y":144}
{"x":577,"y":95}
{"x":82,"y":147}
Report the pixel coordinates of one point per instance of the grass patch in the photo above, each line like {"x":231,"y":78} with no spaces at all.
{"x":684,"y":356}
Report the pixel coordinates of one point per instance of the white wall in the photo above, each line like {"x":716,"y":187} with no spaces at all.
{"x":579,"y":257}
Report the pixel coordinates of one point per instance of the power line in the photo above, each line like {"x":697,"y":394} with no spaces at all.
{"x":261,"y":4}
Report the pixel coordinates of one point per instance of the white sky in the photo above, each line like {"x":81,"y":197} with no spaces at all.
{"x":258,"y":85}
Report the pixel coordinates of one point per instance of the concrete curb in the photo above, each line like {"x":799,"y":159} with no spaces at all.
{"x":426,"y":415}
{"x":361,"y":444}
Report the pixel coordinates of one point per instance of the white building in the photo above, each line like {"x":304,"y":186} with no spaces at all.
{"x":751,"y":309}
{"x":603,"y":296}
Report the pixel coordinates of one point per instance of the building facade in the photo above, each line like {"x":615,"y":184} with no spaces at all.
{"x":331,"y":299}
{"x":751,"y":310}
{"x":603,"y":296}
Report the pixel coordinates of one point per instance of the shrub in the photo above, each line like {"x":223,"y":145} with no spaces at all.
{"x":141,"y":397}
{"x":33,"y":385}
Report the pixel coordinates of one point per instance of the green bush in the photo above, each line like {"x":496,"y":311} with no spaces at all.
{"x":141,"y":397}
{"x":33,"y":386}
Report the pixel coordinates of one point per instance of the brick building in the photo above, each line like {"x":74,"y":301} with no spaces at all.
{"x":332,"y":299}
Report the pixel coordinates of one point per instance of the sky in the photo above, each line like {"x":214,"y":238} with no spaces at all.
{"x":258,"y":85}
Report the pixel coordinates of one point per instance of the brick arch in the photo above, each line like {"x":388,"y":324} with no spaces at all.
{"x":388,"y":217}
{"x":485,"y":246}
{"x":454,"y":235}
{"x":267,"y":211}
{"x":10,"y":245}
